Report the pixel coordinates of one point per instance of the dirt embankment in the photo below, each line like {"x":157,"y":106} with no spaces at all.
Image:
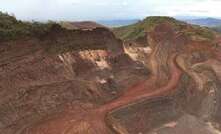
{"x":41,"y":76}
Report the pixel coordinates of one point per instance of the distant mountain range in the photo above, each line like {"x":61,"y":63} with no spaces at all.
{"x":118,"y":23}
{"x":209,"y":22}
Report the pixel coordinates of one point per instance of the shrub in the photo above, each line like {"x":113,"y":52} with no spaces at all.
{"x":11,"y":29}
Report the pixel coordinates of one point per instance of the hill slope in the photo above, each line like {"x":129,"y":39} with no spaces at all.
{"x":140,"y":29}
{"x":10,"y":28}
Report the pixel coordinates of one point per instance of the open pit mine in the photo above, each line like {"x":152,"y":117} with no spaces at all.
{"x":158,"y":76}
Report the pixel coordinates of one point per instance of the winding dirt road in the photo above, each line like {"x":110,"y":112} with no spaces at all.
{"x":145,"y":90}
{"x":93,"y":121}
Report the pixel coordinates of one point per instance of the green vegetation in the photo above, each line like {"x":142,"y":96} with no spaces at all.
{"x":61,"y":40}
{"x":200,"y":33}
{"x":11,"y":29}
{"x":139,"y":29}
{"x":134,"y":31}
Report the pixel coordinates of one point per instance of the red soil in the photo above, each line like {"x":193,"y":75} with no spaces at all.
{"x":94,"y":120}
{"x":145,"y":90}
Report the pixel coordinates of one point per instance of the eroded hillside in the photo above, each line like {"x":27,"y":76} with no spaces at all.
{"x":42,"y":75}
{"x":163,"y":78}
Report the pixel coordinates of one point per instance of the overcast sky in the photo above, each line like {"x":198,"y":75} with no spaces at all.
{"x":74,"y":10}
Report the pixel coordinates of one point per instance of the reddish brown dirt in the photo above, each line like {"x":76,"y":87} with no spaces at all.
{"x":36,"y":83}
{"x":170,"y":60}
{"x":145,"y":90}
{"x":95,"y":119}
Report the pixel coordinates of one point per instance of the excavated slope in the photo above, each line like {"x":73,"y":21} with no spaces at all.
{"x":83,"y":82}
{"x":40,"y":77}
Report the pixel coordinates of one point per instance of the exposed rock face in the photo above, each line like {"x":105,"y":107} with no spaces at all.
{"x":138,"y":53}
{"x":83,"y":82}
{"x":41,"y":77}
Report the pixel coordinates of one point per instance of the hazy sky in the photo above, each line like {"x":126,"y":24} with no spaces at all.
{"x":108,"y":9}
